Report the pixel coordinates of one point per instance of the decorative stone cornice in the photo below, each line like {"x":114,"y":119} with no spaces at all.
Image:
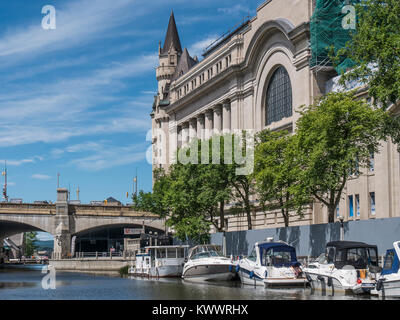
{"x":200,"y":118}
{"x":208,"y":113}
{"x":241,"y":94}
{"x":300,"y":37}
{"x":218,"y":109}
{"x":226,"y":105}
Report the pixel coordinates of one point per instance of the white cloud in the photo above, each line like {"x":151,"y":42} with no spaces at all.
{"x":197,"y":48}
{"x":104,"y":156}
{"x":67,"y":108}
{"x":22,"y":161}
{"x":39,"y":176}
{"x":87,"y":146}
{"x":77,"y":23}
{"x":235,"y":10}
{"x":188,"y":20}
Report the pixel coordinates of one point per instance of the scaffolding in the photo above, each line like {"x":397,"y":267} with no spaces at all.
{"x":331,"y":25}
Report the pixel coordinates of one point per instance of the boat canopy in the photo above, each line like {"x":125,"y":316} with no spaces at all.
{"x":277,"y":254}
{"x":391,"y":264}
{"x":349,"y":244}
{"x":357,"y":254}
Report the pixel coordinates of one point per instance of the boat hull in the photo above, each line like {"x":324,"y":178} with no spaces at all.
{"x":219,"y":272}
{"x":253,"y":280}
{"x":256,"y":280}
{"x":295,"y":282}
{"x":390,"y":289}
{"x":159,"y":272}
{"x":332,"y":285}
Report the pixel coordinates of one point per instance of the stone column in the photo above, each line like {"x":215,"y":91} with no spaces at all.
{"x":171,"y":144}
{"x":180,"y":141}
{"x":200,"y":127}
{"x":192,"y":128}
{"x":62,"y":236}
{"x":217,"y":119}
{"x":235,"y":115}
{"x":226,"y":117}
{"x":185,"y":133}
{"x":208,"y":124}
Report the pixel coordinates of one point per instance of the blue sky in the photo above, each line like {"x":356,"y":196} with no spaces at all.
{"x":76,"y":100}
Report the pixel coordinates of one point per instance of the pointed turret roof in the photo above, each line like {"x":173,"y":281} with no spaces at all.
{"x":186,"y":62}
{"x":172,"y":37}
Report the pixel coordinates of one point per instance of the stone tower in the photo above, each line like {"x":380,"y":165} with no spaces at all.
{"x":169,"y":57}
{"x":173,"y":63}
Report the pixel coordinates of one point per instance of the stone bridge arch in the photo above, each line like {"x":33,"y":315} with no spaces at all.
{"x":62,"y":220}
{"x":12,"y":224}
{"x":87,"y":224}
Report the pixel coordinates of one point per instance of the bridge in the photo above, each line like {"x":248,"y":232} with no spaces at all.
{"x":64,"y":220}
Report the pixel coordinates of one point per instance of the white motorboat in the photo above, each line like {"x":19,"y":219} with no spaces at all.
{"x":346,"y":267}
{"x":388,"y":283}
{"x":206,"y":263}
{"x":271,"y":264}
{"x":160,"y":261}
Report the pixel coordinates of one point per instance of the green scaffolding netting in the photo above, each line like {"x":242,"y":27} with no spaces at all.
{"x":326,"y":28}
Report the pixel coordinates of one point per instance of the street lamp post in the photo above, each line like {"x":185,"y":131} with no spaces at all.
{"x":4,"y":173}
{"x":224,"y":243}
{"x":341,"y":219}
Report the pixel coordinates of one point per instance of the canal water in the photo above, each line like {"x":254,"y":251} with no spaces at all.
{"x":26,"y":283}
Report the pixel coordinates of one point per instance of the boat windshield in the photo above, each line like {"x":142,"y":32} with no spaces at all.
{"x":205,"y":251}
{"x":322,"y":259}
{"x":278,"y":255}
{"x":359,"y":258}
{"x":271,"y":258}
{"x":391,"y":264}
{"x":208,"y":254}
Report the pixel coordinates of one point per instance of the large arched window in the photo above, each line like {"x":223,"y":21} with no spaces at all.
{"x":279,"y":97}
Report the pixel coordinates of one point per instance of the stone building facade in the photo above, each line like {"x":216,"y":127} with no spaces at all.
{"x":257,"y":77}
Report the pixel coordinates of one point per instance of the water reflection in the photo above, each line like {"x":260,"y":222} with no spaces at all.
{"x":13,"y":285}
{"x":26,"y":284}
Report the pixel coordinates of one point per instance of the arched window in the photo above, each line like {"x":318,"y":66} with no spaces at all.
{"x":279,"y":97}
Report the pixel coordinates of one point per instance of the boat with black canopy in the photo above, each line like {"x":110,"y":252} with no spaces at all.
{"x":347,"y":266}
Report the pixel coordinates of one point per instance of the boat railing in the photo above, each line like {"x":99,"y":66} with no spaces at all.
{"x":100,"y":255}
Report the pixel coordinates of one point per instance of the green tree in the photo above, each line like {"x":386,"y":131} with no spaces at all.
{"x":222,"y":181}
{"x":375,"y":49}
{"x":190,"y":211}
{"x":198,"y":191}
{"x":195,"y":228}
{"x":30,"y":246}
{"x":334,"y":136}
{"x":243,"y":190}
{"x":277,"y":174}
{"x":143,"y":201}
{"x":193,"y":195}
{"x":242,"y":184}
{"x":154,"y":201}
